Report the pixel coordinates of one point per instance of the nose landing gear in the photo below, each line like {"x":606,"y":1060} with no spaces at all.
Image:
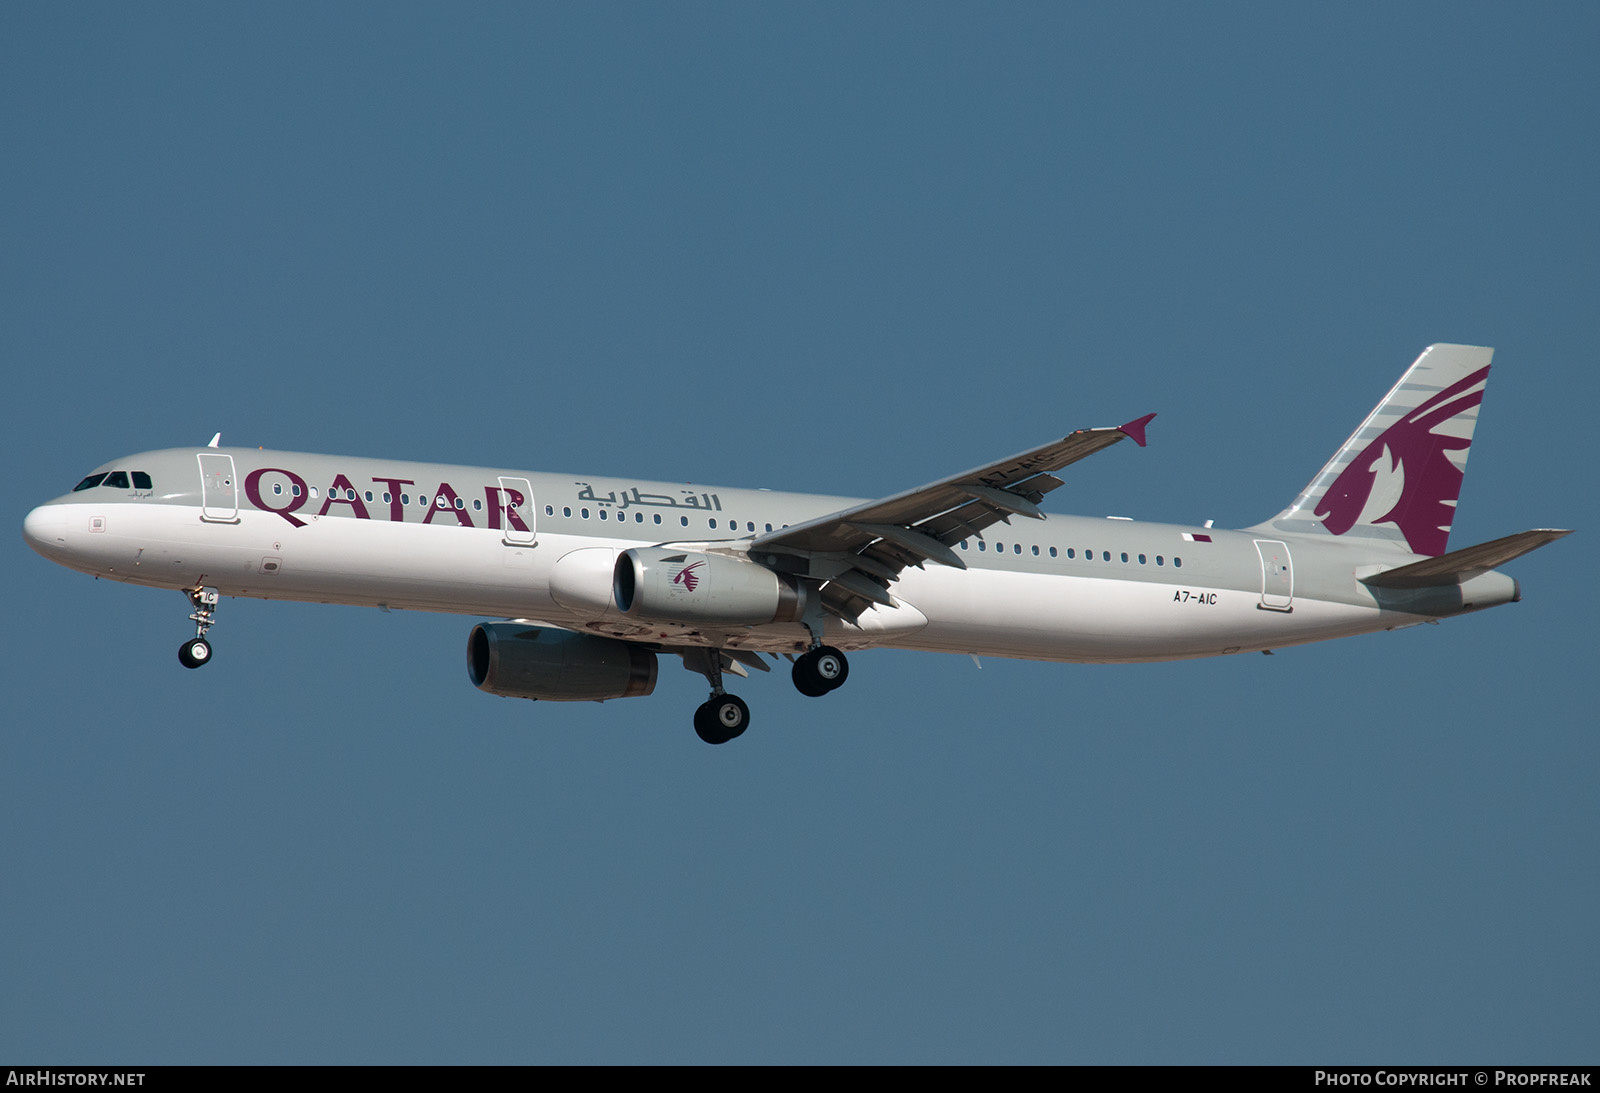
{"x":197,"y":650}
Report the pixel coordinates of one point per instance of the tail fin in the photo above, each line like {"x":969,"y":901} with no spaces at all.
{"x":1399,"y":475}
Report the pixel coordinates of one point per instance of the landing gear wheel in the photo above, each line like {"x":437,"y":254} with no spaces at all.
{"x":194,"y":653}
{"x":721,"y":718}
{"x":822,"y":670}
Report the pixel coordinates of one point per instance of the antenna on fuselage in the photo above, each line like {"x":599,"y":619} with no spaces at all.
{"x":216,"y":441}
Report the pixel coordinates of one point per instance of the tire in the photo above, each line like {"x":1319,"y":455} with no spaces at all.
{"x":805,"y":679}
{"x":822,"y":670}
{"x":721,"y":719}
{"x":831,"y":666}
{"x":195,"y":653}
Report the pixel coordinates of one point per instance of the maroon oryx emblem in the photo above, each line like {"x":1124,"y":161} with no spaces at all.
{"x":687,"y":577}
{"x":1431,"y":482}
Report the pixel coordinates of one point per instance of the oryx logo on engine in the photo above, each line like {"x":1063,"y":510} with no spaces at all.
{"x":686,"y":578}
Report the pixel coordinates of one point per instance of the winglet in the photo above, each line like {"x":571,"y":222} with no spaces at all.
{"x":216,"y":441}
{"x":1135,"y":428}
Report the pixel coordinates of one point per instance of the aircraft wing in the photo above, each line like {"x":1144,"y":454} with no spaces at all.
{"x":873,"y":542}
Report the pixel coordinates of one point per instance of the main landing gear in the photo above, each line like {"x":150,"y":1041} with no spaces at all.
{"x":723,"y":716}
{"x":197,"y":650}
{"x":821,"y":670}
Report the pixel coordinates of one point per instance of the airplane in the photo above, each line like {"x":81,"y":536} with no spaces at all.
{"x":589,"y":581}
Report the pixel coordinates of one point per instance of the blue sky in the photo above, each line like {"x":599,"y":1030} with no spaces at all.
{"x":842,"y":248}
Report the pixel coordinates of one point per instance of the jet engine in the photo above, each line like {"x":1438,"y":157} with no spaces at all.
{"x":660,"y":584}
{"x":520,"y":661}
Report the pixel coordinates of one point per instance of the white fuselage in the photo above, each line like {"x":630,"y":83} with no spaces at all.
{"x":1059,"y":589}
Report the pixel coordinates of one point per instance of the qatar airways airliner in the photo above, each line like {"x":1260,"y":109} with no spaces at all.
{"x":588,"y":581}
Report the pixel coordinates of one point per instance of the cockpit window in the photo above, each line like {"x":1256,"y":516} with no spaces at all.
{"x":89,"y":483}
{"x":141,"y":481}
{"x":117,"y":480}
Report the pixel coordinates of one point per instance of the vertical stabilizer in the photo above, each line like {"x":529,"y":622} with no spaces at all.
{"x":1399,"y":475}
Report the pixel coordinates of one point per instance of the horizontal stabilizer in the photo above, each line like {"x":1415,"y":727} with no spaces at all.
{"x":1460,"y":566}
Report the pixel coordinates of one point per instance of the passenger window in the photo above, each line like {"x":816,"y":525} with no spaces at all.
{"x":460,"y":504}
{"x":584,"y":513}
{"x":769,"y":527}
{"x":549,"y":510}
{"x":1035,"y":552}
{"x":277,"y":487}
{"x":566,"y":510}
{"x":1160,"y":560}
{"x":1124,"y":555}
{"x":713,"y":522}
{"x":638,"y":517}
{"x":117,"y":480}
{"x":1016,"y":548}
{"x":141,"y":481}
{"x":1071,"y":553}
{"x":89,"y":483}
{"x":1053,"y":552}
{"x":1141,"y":559}
{"x":684,"y":520}
{"x":295,"y":490}
{"x":1177,"y":563}
{"x":981,"y":545}
{"x":369,"y":495}
{"x":405,"y":499}
{"x":603,"y":515}
{"x":1105,"y":555}
{"x":656,"y":517}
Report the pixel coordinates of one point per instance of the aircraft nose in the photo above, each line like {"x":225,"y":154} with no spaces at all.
{"x":45,"y":528}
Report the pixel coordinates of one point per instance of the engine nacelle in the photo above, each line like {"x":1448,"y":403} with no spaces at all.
{"x":520,"y":661}
{"x":661,"y":584}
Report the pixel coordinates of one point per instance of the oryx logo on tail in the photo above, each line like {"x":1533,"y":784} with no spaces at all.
{"x":1398,"y":477}
{"x":1422,"y":502}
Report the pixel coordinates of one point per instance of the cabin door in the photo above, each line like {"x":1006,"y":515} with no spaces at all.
{"x":219,"y":489}
{"x":518,"y":518}
{"x":1277,"y":575}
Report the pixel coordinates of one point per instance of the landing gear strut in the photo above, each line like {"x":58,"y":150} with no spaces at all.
{"x":723,"y":716}
{"x":821,"y":670}
{"x":197,"y":650}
